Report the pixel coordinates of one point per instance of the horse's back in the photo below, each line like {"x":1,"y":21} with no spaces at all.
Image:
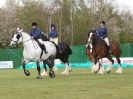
{"x":116,"y":48}
{"x":66,"y":47}
{"x":50,"y":47}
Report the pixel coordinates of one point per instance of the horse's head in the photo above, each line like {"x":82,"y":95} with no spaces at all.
{"x":91,"y":35}
{"x":16,"y":37}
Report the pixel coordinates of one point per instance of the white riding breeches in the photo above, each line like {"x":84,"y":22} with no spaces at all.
{"x":107,"y":41}
{"x":40,"y":40}
{"x":55,"y":40}
{"x":91,"y":47}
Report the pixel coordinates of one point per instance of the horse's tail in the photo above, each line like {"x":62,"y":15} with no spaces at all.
{"x":66,"y":48}
{"x":70,"y":51}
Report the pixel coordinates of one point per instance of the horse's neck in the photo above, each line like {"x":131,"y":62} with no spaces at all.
{"x":26,"y":36}
{"x":26,"y":40}
{"x":97,"y":40}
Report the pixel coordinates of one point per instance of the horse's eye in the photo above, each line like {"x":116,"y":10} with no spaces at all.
{"x":18,"y":36}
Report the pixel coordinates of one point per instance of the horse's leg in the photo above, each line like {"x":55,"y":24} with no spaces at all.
{"x":96,"y":66}
{"x":44,"y":66}
{"x":67,"y":70}
{"x":39,"y":70}
{"x":26,"y":72}
{"x":55,"y":68}
{"x":119,"y":70}
{"x":67,"y":66}
{"x":51,"y":65}
{"x":44,"y":73}
{"x":109,"y":68}
{"x":101,"y":70}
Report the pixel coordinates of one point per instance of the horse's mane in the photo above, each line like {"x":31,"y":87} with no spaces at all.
{"x":43,"y":37}
{"x":26,"y":33}
{"x":97,"y":39}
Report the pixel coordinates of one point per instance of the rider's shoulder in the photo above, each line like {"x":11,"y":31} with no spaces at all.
{"x":38,"y":29}
{"x":105,"y":27}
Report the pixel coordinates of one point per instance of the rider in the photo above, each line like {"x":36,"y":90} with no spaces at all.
{"x":102,"y":32}
{"x":36,"y":34}
{"x":54,"y":37}
{"x":53,"y":34}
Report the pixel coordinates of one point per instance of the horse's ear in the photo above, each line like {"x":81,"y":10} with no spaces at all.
{"x":21,"y":30}
{"x":18,"y":29}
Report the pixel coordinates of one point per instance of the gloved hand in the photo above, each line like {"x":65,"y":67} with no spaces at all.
{"x":101,"y":37}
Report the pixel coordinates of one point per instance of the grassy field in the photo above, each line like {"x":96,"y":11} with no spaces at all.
{"x":80,"y":85}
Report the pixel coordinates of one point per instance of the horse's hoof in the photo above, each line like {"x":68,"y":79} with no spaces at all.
{"x":108,"y":71}
{"x":101,"y":72}
{"x":27,"y":73}
{"x":51,"y":74}
{"x":65,"y":73}
{"x":95,"y":69}
{"x":119,"y":70}
{"x":44,"y":74}
{"x":39,"y":77}
{"x":70,"y":70}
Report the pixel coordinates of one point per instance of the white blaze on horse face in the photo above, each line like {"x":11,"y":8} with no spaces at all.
{"x":14,"y":40}
{"x":20,"y":40}
{"x":90,"y":37}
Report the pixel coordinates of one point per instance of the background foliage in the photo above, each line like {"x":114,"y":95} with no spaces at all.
{"x":74,"y":18}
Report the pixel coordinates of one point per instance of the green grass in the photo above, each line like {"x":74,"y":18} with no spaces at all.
{"x":81,"y":84}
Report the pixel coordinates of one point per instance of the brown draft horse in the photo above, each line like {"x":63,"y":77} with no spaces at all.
{"x":100,"y":50}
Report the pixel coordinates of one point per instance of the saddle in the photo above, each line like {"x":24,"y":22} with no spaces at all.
{"x":55,"y":46}
{"x":44,"y":37}
{"x":41,"y":46}
{"x":109,"y":48}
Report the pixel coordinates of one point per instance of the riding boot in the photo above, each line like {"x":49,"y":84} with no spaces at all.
{"x":44,"y":48}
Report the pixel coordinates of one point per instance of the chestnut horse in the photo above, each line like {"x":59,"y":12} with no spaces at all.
{"x":100,"y":50}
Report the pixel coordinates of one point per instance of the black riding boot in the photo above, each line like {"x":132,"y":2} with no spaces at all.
{"x":110,"y":50}
{"x":44,"y":48}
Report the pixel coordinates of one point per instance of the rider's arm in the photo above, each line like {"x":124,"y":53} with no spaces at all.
{"x":53,"y":34}
{"x":97,"y":32}
{"x":36,"y":34}
{"x":105,"y":33}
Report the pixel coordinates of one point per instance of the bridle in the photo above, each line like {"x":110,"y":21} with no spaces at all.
{"x":20,"y":34}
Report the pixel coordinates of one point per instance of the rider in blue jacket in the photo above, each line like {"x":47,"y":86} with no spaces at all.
{"x":53,"y":34}
{"x":102,"y":32}
{"x":36,"y":34}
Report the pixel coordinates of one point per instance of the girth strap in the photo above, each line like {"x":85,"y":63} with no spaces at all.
{"x":40,"y":45}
